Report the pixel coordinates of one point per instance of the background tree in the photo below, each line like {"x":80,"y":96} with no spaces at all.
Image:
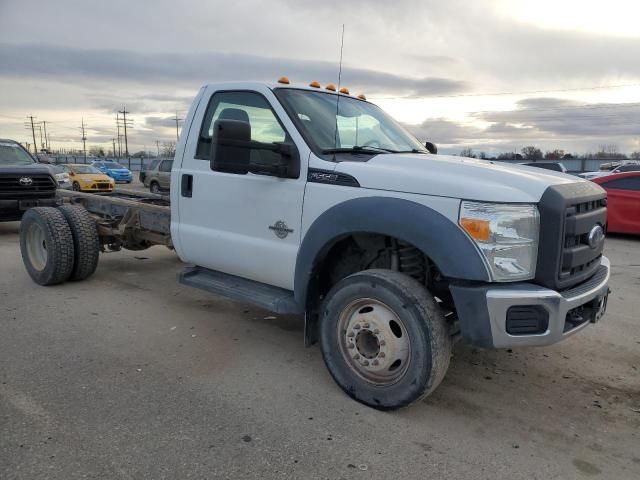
{"x":635,"y":155}
{"x":554,"y":154}
{"x":168,"y":149}
{"x":532,"y":153}
{"x":467,"y":152}
{"x":96,"y":151}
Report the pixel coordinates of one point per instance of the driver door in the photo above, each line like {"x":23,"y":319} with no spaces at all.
{"x":242,"y":224}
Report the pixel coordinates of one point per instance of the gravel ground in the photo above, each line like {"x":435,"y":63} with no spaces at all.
{"x":130,"y":375}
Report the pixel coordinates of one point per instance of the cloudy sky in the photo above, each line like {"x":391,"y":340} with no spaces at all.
{"x":492,"y":75}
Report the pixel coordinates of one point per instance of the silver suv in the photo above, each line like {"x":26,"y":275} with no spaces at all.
{"x":158,"y":178}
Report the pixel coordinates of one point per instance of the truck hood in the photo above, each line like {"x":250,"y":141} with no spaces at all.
{"x":33,"y":169}
{"x":458,"y":177}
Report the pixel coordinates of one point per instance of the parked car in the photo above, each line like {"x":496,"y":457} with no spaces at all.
{"x":24,"y":183}
{"x":623,"y":192}
{"x":158,"y":179}
{"x":626,"y":167}
{"x":87,"y":178}
{"x":555,"y":166}
{"x":62,"y":176}
{"x":153,"y":163}
{"x":116,"y":171}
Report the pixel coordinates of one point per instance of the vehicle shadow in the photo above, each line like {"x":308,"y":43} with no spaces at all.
{"x":9,"y":228}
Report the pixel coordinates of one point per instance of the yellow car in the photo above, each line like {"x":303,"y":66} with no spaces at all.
{"x":85,"y":178}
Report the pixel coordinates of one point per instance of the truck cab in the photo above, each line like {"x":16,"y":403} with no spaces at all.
{"x":312,"y":201}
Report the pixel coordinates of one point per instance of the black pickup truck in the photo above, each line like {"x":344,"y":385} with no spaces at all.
{"x":24,"y":183}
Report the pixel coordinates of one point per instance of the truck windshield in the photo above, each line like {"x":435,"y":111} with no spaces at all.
{"x":12,"y":154}
{"x":346,"y":126}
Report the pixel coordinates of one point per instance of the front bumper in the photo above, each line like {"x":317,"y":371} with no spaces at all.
{"x":13,"y":209}
{"x":483,"y":310}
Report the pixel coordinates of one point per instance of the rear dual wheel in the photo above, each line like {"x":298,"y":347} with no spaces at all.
{"x":384,"y":339}
{"x":59,"y":244}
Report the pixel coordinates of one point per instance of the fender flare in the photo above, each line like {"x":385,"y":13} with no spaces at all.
{"x":437,"y":236}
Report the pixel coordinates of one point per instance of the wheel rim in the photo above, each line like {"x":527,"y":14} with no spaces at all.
{"x":374,"y":341}
{"x":154,"y":188}
{"x":76,"y":187}
{"x":37,"y":246}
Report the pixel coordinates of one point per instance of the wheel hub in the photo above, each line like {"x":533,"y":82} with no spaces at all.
{"x":374,"y":341}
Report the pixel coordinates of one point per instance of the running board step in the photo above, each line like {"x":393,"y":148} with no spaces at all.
{"x":274,"y":299}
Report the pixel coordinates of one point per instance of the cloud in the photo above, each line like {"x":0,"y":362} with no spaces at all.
{"x":192,"y":69}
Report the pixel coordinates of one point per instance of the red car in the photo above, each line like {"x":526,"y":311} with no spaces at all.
{"x":623,"y":190}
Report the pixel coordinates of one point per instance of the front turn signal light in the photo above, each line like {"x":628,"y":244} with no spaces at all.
{"x":478,"y":229}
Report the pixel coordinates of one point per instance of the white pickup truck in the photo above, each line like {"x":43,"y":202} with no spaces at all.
{"x":307,"y":201}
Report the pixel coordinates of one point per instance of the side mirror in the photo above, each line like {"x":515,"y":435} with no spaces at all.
{"x":431,"y":147}
{"x":231,"y":148}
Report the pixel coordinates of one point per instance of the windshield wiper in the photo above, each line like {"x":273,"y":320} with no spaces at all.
{"x":415,"y":150}
{"x":358,"y":149}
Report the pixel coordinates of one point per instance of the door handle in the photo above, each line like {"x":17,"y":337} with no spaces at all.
{"x":186,"y":186}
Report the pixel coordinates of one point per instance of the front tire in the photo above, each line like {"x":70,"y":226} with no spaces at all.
{"x":46,"y":245}
{"x":154,"y":188}
{"x":384,"y":339}
{"x":76,"y":187}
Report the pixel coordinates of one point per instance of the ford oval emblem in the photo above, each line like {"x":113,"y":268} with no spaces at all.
{"x":596,"y":236}
{"x":25,"y":181}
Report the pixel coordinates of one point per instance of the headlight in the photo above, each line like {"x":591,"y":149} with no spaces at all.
{"x":507,"y":235}
{"x":62,"y":177}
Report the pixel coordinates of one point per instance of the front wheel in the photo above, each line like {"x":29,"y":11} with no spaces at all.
{"x":154,"y":187}
{"x":76,"y":187}
{"x":384,"y":339}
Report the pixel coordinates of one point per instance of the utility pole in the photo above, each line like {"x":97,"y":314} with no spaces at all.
{"x":84,"y":141}
{"x":158,"y":147}
{"x":41,"y":142}
{"x":119,"y":142}
{"x":46,"y":139}
{"x":33,"y":132}
{"x":177,"y":130}
{"x":114,"y":146}
{"x":125,"y":123}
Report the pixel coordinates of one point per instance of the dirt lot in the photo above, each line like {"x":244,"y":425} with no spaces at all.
{"x":130,"y":375}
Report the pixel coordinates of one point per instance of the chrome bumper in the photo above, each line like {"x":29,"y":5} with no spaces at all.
{"x":482,"y":310}
{"x":557,"y":304}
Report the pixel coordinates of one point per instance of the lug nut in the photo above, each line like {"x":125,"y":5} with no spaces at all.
{"x":350,"y":334}
{"x":375,"y":362}
{"x":365,"y":363}
{"x":366,"y":325}
{"x":382,"y":355}
{"x":357,"y":326}
{"x":376,"y":331}
{"x":356,"y":356}
{"x":382,"y":343}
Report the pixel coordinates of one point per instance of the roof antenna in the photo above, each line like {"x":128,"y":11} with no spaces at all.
{"x":338,"y":92}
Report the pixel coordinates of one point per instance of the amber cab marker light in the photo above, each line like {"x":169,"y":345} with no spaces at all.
{"x":284,"y":80}
{"x":331,"y":87}
{"x":315,"y":84}
{"x":362,"y":97}
{"x":478,"y":229}
{"x":344,"y":90}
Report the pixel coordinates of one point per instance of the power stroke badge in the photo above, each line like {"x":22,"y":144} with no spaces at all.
{"x":280,"y":229}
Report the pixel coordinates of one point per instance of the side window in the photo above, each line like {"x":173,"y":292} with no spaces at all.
{"x":249,"y":107}
{"x":629,"y":168}
{"x":165,"y":166}
{"x":628,"y":183}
